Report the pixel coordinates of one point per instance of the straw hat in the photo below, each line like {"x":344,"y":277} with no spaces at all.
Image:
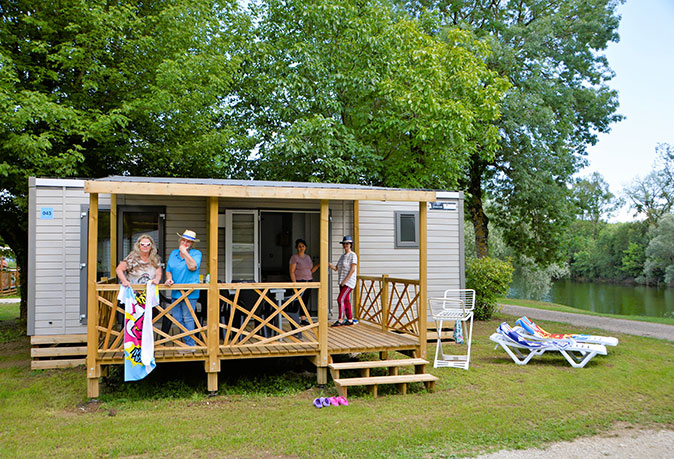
{"x":189,"y":235}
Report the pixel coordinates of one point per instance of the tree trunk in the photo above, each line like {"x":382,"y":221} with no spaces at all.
{"x":475,"y":208}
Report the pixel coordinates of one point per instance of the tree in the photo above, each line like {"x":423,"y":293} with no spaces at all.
{"x":348,"y":91}
{"x":593,"y":199}
{"x":659,"y":266}
{"x":653,"y":196}
{"x":550,"y":52}
{"x":93,"y":88}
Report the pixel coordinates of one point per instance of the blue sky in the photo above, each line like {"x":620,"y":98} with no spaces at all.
{"x":643,"y":61}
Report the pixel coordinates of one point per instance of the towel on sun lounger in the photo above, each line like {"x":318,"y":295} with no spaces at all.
{"x":536,"y":332}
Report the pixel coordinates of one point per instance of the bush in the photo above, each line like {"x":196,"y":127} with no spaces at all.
{"x":490,"y":278}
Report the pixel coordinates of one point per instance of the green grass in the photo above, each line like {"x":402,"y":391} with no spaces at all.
{"x":563,"y":308}
{"x":265,"y":406}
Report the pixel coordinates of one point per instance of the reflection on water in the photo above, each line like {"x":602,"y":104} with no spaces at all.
{"x":609,"y":298}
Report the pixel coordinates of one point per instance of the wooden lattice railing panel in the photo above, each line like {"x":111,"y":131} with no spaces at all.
{"x":272,"y":319}
{"x":369,"y":307}
{"x":403,"y":306}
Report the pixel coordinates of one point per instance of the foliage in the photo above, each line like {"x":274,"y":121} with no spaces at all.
{"x":551,"y":53}
{"x":534,"y":281}
{"x":593,"y":199}
{"x":632,"y":262}
{"x":602,"y":253}
{"x":653,"y":196}
{"x":490,"y":278}
{"x":659,"y":265}
{"x":348,"y":91}
{"x":93,"y":88}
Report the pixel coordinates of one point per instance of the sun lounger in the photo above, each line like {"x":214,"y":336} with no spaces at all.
{"x":521,"y":349}
{"x":533,"y":331}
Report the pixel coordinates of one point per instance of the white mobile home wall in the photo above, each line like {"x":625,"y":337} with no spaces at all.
{"x":54,"y":255}
{"x":378,"y":254}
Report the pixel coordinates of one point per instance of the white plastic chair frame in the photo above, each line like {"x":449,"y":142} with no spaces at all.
{"x":456,"y":304}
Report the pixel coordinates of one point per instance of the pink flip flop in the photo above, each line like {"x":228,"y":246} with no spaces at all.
{"x":342,"y":401}
{"x":333,"y":401}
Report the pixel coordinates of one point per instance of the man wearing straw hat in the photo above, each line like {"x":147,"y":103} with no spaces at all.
{"x":183,"y":268}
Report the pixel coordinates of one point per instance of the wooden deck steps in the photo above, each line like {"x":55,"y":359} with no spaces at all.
{"x":57,"y":351}
{"x":394,"y":377}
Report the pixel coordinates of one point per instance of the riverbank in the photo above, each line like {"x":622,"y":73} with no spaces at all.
{"x":630,"y":327}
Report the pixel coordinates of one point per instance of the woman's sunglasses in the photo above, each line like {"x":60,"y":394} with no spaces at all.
{"x":145,"y":244}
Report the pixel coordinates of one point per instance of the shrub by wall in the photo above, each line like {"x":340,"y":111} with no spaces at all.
{"x":490,"y":278}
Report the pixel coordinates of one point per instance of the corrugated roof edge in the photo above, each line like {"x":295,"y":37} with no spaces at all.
{"x":230,"y":182}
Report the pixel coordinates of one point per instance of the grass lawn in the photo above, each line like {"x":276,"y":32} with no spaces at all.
{"x":265,"y":406}
{"x":563,"y":308}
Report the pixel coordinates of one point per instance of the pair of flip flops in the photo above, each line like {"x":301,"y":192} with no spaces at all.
{"x":327,"y":401}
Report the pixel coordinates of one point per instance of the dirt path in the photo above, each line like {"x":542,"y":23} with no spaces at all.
{"x":622,"y":443}
{"x":630,"y":327}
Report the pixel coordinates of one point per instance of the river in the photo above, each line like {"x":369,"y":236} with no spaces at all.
{"x":625,"y":300}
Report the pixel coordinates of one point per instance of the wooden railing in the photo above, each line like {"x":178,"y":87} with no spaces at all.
{"x":8,"y":281}
{"x":258,"y":318}
{"x":389,"y":302}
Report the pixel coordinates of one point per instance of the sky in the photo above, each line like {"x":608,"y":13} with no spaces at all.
{"x":643,"y":61}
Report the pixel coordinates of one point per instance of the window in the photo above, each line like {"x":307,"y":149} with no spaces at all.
{"x":407,"y":229}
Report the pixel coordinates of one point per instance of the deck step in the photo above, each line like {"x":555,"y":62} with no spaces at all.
{"x":377,"y":364}
{"x":373,"y":381}
{"x":57,"y":351}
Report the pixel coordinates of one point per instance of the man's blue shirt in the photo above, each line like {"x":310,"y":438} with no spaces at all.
{"x":181,"y":274}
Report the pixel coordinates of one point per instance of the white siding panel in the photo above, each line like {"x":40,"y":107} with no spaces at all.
{"x":57,"y":258}
{"x":379,"y":256}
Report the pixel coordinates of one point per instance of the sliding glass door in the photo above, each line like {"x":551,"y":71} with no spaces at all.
{"x":241,"y":244}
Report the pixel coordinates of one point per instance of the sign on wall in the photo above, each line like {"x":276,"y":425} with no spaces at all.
{"x":443,"y":205}
{"x":46,"y":213}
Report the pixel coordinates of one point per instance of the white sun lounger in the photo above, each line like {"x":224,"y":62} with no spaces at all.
{"x":533,"y":331}
{"x":522,"y":350}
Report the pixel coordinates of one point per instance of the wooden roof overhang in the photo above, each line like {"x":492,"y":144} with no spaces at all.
{"x":152,"y":186}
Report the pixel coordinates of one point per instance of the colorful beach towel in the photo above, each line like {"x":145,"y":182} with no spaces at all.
{"x":138,"y":336}
{"x":537,"y":332}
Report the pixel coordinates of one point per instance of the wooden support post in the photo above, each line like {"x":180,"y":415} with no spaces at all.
{"x":356,"y":250}
{"x":423,"y":278}
{"x":322,"y":375}
{"x":113,"y":235}
{"x":93,"y":367}
{"x":384,"y":302}
{"x":213,"y":311}
{"x":323,"y":294}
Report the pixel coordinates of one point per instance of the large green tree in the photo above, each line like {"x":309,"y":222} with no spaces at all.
{"x":350,"y":91}
{"x":659,"y":265}
{"x":551,"y":53}
{"x":653,"y":195}
{"x":92,"y":88}
{"x":593,"y":199}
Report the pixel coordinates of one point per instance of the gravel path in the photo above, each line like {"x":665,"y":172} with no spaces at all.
{"x":630,"y":327}
{"x":623,"y":443}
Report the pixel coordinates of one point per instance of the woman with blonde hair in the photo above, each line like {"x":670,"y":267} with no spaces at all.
{"x":141,"y":265}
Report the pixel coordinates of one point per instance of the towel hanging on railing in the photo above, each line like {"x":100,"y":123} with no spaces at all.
{"x":138,"y":336}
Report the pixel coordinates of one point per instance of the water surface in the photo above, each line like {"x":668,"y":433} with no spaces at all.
{"x":625,"y":300}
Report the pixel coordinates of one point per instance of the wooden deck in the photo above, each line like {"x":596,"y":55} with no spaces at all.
{"x":360,"y":337}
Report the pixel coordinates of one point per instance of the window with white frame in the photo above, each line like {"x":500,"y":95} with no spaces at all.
{"x":406,"y":229}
